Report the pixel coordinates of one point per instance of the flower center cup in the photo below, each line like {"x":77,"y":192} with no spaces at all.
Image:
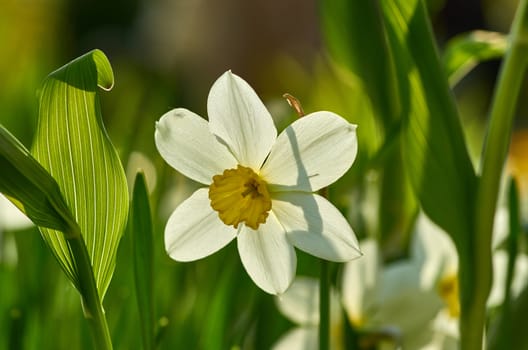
{"x":448,"y":290}
{"x":240,"y":195}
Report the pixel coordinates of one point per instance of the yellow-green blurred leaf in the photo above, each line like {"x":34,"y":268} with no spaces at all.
{"x":369,"y":57}
{"x":465,"y":51}
{"x":72,"y":144}
{"x":355,"y":37}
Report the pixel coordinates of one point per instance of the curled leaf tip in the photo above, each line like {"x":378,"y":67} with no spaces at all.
{"x":105,"y":75}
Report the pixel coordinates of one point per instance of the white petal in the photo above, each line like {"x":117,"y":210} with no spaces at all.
{"x":300,"y":303}
{"x":500,"y":271}
{"x":520,"y":274}
{"x":501,"y":227}
{"x":360,"y":278}
{"x":447,"y":325}
{"x":315,"y":226}
{"x":402,"y":301}
{"x":195,"y":231}
{"x":11,"y":218}
{"x":443,"y":334}
{"x":240,"y":119}
{"x":305,"y":338}
{"x":183,"y":139}
{"x":267,"y":256}
{"x":311,"y":153}
{"x":434,"y":251}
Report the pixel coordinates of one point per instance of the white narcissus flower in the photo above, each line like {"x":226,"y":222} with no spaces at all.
{"x":413,"y":301}
{"x":260,"y":187}
{"x":300,"y":304}
{"x":389,"y":301}
{"x":440,"y":271}
{"x":386,"y":305}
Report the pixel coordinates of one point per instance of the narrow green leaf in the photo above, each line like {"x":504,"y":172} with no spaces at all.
{"x":398,"y":205}
{"x":402,"y":73}
{"x":31,"y":188}
{"x":516,"y":331}
{"x":72,"y":144}
{"x":434,"y":149}
{"x":495,"y":149}
{"x":513,"y":237}
{"x":141,"y":230}
{"x":465,"y":51}
{"x":502,"y":333}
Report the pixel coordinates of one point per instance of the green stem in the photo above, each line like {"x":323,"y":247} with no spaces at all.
{"x":494,"y":155}
{"x":92,"y":306}
{"x":324,"y":307}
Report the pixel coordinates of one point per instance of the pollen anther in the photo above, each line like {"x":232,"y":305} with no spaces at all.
{"x":240,"y":195}
{"x":448,"y":290}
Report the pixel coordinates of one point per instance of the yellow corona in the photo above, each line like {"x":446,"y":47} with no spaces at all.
{"x":240,"y":195}
{"x":448,"y":290}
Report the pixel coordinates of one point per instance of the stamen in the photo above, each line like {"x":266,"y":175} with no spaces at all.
{"x":448,"y":291}
{"x":240,"y":195}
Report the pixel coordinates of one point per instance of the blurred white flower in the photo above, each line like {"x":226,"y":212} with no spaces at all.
{"x":387,"y":305}
{"x":410,"y":304}
{"x":440,"y":271}
{"x":137,"y":161}
{"x":11,"y":218}
{"x":300,"y":304}
{"x":390,"y":302}
{"x":260,"y":187}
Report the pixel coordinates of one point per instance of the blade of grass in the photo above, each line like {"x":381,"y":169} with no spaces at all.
{"x":495,"y":150}
{"x":142,"y":247}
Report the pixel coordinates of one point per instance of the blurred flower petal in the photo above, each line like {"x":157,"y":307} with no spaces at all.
{"x":301,"y":338}
{"x":360,"y":278}
{"x":300,"y":303}
{"x":500,"y":271}
{"x":11,"y":218}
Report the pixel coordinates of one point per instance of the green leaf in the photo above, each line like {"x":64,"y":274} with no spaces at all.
{"x":434,"y":150}
{"x":72,"y":144}
{"x":355,"y":37}
{"x":465,"y":51}
{"x":369,"y":58}
{"x":31,"y":188}
{"x":401,"y":71}
{"x":507,"y":330}
{"x":141,"y":230}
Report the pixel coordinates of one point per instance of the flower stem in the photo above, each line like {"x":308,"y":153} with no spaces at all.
{"x":494,"y":155}
{"x":92,"y":306}
{"x":324,"y":307}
